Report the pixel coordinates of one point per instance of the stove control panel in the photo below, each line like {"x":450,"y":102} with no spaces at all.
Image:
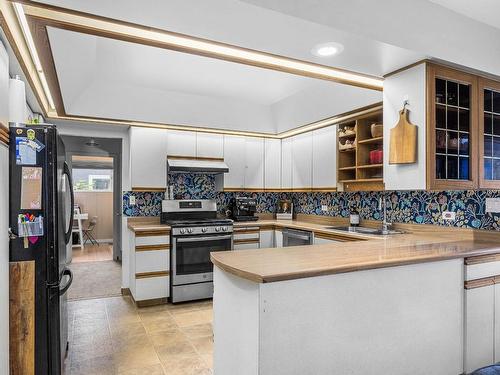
{"x":217,"y":229}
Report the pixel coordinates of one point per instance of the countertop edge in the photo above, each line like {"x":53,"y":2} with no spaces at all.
{"x":250,"y":276}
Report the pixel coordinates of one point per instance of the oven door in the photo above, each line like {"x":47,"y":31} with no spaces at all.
{"x":190,"y":261}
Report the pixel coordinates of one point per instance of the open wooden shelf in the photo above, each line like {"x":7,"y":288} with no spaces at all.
{"x":348,"y":149}
{"x":367,"y":166}
{"x":364,"y":180}
{"x":353,"y":164}
{"x":347,"y":168}
{"x":371,"y":140}
{"x":347,"y":136}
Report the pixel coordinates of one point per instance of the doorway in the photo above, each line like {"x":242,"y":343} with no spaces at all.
{"x":94,"y":255}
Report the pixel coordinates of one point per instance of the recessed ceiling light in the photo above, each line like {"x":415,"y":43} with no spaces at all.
{"x":327,"y":49}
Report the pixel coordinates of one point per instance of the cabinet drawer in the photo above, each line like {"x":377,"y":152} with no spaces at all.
{"x":152,"y":288}
{"x":152,"y":240}
{"x":247,"y":236}
{"x":152,"y":261}
{"x":246,"y":246}
{"x":481,"y":270}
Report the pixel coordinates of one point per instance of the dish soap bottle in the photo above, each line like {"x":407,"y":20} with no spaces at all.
{"x":354,"y":217}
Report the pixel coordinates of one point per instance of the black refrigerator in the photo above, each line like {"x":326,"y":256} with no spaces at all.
{"x":41,"y":220}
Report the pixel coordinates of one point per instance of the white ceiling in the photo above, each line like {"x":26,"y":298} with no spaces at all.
{"x":246,"y":25}
{"x":421,"y":26}
{"x":485,"y":11}
{"x":82,"y":58}
{"x":107,"y":78}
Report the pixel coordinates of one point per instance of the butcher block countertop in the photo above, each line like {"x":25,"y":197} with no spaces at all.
{"x":420,"y":243}
{"x":279,"y":264}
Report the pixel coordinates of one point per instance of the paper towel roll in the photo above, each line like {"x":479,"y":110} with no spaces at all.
{"x":17,"y":101}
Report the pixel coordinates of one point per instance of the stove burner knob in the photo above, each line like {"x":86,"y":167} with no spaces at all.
{"x":190,"y":230}
{"x":217,"y":229}
{"x":182,"y":231}
{"x":223,"y":229}
{"x":203,"y":230}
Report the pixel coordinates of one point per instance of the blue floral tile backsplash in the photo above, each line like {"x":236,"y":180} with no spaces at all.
{"x":421,"y":207}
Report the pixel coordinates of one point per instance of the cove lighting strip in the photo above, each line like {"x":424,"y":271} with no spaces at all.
{"x":185,"y":43}
{"x":23,"y":22}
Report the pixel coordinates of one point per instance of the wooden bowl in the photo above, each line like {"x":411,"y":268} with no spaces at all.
{"x":377,"y":130}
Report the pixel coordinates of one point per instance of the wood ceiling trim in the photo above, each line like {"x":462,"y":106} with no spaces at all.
{"x":44,"y":50}
{"x":15,"y":37}
{"x":130,"y":32}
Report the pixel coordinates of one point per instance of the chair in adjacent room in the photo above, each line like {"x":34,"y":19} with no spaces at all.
{"x":88,"y":234}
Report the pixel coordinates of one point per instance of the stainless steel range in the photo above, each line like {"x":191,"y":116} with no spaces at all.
{"x":195,"y":232}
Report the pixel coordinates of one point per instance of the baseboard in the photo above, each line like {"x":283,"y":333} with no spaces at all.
{"x":151,"y":302}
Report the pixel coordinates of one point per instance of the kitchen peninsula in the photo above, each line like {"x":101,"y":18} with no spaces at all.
{"x":401,"y":304}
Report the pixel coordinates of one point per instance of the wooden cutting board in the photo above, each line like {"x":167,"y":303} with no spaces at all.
{"x":403,"y":141}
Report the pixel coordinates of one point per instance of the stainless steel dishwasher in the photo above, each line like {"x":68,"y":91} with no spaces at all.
{"x":296,"y":237}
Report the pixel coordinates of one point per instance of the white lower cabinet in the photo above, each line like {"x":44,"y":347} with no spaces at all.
{"x":479,"y":327}
{"x":318,"y":240}
{"x":278,"y":238}
{"x":246,"y":238}
{"x":266,"y":239}
{"x":150,"y":266}
{"x":152,"y":288}
{"x":497,"y":323}
{"x":152,"y":261}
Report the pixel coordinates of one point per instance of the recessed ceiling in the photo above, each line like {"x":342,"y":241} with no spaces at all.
{"x":108,"y":78}
{"x":82,"y":59}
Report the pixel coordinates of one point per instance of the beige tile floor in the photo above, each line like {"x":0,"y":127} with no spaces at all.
{"x":110,"y":336}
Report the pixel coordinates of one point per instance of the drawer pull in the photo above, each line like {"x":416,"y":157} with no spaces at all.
{"x":147,"y":275}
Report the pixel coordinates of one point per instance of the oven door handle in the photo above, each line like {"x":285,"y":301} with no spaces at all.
{"x":199,"y":239}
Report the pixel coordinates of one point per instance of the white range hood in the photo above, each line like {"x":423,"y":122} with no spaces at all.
{"x":196,"y":165}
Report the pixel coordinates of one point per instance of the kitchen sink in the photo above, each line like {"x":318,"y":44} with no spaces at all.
{"x":365,"y":230}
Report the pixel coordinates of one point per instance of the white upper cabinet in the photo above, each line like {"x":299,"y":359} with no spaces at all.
{"x":234,"y":156}
{"x":286,"y":163}
{"x":181,"y":143}
{"x":272,"y":163}
{"x":324,"y":146}
{"x":302,"y":161}
{"x":209,"y":145}
{"x":148,"y":157}
{"x":254,"y":163}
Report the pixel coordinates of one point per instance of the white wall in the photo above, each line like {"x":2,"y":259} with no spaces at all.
{"x":108,"y":131}
{"x":4,"y":217}
{"x":321,"y":100}
{"x":161,"y":106}
{"x":408,"y":83}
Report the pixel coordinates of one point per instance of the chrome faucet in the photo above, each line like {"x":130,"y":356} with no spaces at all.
{"x":382,"y":205}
